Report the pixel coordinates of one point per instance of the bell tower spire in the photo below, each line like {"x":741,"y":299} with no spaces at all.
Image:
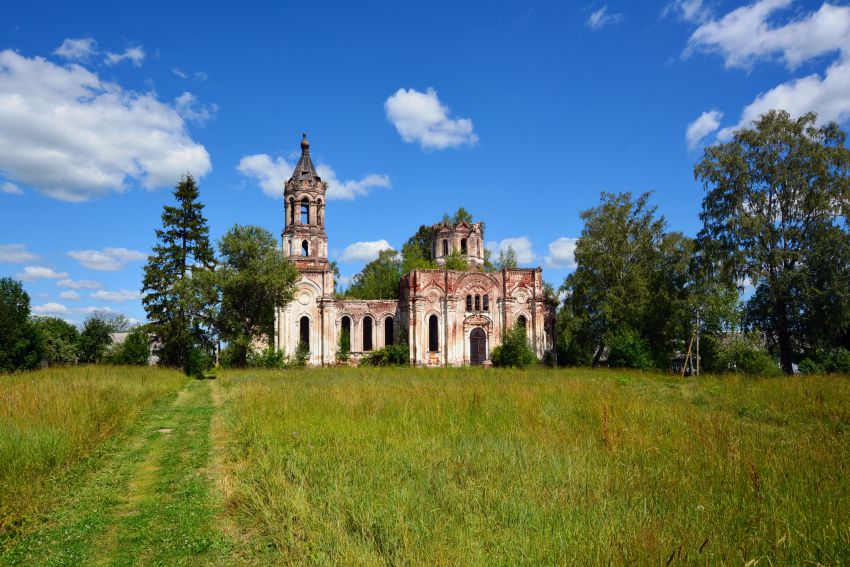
{"x":305,"y":241}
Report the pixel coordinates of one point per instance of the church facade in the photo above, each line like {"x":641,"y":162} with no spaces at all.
{"x":447,"y":317}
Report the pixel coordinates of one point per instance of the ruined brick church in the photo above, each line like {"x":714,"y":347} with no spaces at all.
{"x":448,"y":317}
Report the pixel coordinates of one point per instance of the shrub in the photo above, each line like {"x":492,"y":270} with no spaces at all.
{"x":390,"y":355}
{"x":809,"y":366}
{"x":302,"y":355}
{"x":628,"y":350}
{"x":514,"y":350}
{"x":344,"y":347}
{"x":58,"y":339}
{"x":836,"y":360}
{"x":269,"y":358}
{"x":740,"y":353}
{"x":134,"y":351}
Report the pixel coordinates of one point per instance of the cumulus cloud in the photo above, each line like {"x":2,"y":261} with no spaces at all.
{"x":74,"y":137}
{"x":750,"y":34}
{"x":30,"y":273}
{"x":78,"y":284}
{"x":133,"y":54}
{"x":562,"y":253}
{"x":521,"y":246}
{"x":51,"y":309}
{"x":16,"y":254}
{"x":364,"y":251}
{"x":271,"y":174}
{"x":70,"y":295}
{"x":77,"y":49}
{"x":421,"y":117}
{"x":106,"y":260}
{"x":119,"y":296}
{"x":707,"y":123}
{"x":601,"y":18}
{"x":745,"y":35}
{"x":10,"y":188}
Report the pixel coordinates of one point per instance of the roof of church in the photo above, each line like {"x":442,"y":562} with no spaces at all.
{"x":304,"y":170}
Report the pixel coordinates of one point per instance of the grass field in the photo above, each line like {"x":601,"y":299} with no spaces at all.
{"x":436,"y":467}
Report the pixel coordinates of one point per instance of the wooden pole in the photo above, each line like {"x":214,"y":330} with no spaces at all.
{"x":687,"y":356}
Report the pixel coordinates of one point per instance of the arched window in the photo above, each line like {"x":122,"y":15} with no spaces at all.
{"x":367,"y":333}
{"x":304,"y":330}
{"x":291,"y":210}
{"x":305,"y":248}
{"x":305,"y":211}
{"x":389,"y":331}
{"x":445,"y":247}
{"x":463,"y":246}
{"x":469,"y":303}
{"x":345,"y":341}
{"x":486,"y":302}
{"x":478,"y":303}
{"x":433,"y":334}
{"x":522,"y":322}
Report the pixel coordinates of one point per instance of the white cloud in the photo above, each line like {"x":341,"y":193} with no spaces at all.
{"x":750,"y":34}
{"x":77,"y":49}
{"x":70,"y":295}
{"x":272,"y":173}
{"x":16,"y":254}
{"x":71,"y":135}
{"x":744,"y":36}
{"x":421,"y":117}
{"x":180,"y":73}
{"x":10,"y":188}
{"x":30,"y":273}
{"x":51,"y":309}
{"x":133,"y":54}
{"x":78,"y":284}
{"x":350,"y":189}
{"x":521,"y":245}
{"x":117,"y":296}
{"x":343,"y":281}
{"x":601,"y":18}
{"x":689,"y":10}
{"x":91,"y":309}
{"x":562,"y":253}
{"x":828,"y":96}
{"x":189,"y":108}
{"x":708,"y":122}
{"x":106,"y":260}
{"x":364,"y":251}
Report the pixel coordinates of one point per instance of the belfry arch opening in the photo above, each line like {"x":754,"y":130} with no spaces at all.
{"x":305,"y":248}
{"x":305,"y":211}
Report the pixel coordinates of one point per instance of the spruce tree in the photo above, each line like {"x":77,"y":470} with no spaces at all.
{"x":177,"y":287}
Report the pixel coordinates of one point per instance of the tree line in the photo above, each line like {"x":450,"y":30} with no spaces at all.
{"x":774,"y":223}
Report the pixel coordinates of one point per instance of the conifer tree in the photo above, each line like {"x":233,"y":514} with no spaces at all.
{"x":177,"y":286}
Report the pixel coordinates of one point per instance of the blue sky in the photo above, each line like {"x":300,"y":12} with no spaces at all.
{"x":522,"y":112}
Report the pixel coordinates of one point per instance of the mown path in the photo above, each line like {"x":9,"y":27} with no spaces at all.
{"x":150,"y":500}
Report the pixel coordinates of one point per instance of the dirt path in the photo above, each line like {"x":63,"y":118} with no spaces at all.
{"x":151,"y":501}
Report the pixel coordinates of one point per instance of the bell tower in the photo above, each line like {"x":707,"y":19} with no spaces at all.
{"x":305,"y":241}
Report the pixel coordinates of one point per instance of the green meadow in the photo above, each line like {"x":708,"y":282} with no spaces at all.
{"x":121,"y":466}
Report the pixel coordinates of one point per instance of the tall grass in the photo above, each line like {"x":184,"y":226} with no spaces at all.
{"x":51,"y":418}
{"x":438,"y":467}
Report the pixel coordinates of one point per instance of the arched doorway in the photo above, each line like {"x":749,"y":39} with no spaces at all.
{"x":389,"y":334}
{"x":477,"y":346}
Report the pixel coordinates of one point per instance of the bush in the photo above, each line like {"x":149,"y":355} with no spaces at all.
{"x":134,"y":351}
{"x":302,"y":355}
{"x":758,"y":362}
{"x":58,"y":340}
{"x":514,"y":350}
{"x":628,"y":350}
{"x":269,"y":358}
{"x":739,"y":353}
{"x":390,"y":355}
{"x":836,"y":360}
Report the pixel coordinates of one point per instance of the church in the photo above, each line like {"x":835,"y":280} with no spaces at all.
{"x":447,"y":317}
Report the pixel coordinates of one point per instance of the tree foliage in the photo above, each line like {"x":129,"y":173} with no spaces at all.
{"x":58,"y":339}
{"x":506,"y":260}
{"x":379,"y":279}
{"x":775,"y":212}
{"x":20,"y":348}
{"x":515,"y":350}
{"x":95,"y":339}
{"x":254,"y":280}
{"x":178,"y":282}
